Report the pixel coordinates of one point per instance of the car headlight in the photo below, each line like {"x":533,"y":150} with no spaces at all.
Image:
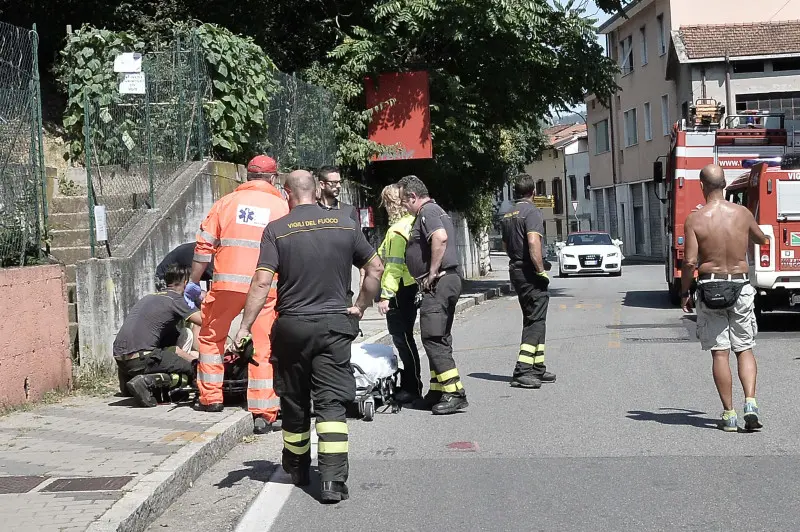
{"x":569,"y":256}
{"x":615,"y":254}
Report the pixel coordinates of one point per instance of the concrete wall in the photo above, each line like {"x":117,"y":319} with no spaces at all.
{"x":108,"y":288}
{"x":34,"y":333}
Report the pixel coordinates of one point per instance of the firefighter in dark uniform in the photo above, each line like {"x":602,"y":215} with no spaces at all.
{"x":312,"y":335}
{"x":523,"y":228}
{"x":432,"y":260}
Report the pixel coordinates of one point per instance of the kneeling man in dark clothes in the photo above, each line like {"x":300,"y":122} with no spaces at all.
{"x":152,"y":349}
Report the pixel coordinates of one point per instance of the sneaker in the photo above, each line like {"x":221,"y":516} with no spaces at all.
{"x":450,"y":404}
{"x":729,"y":421}
{"x":751,"y":421}
{"x":530,"y":382}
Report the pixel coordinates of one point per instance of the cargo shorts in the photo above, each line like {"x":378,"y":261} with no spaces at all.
{"x":732,"y":328}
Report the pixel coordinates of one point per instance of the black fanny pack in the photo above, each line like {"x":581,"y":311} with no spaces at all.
{"x":719,"y":295}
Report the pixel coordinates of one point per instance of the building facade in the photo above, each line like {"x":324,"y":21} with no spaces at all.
{"x":668,"y":55}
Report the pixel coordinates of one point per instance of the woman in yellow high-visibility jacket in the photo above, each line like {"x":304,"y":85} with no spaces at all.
{"x":398,"y":291}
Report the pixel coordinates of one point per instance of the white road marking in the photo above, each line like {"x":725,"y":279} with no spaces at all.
{"x":267,"y":505}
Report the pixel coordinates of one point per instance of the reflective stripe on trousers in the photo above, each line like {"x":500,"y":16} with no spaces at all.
{"x":219,"y":309}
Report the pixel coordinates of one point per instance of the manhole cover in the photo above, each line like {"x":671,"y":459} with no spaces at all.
{"x":659,"y":340}
{"x":88,"y":484}
{"x":19,"y":484}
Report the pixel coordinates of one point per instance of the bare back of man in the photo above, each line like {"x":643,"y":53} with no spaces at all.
{"x":723,"y":231}
{"x":717,"y":241}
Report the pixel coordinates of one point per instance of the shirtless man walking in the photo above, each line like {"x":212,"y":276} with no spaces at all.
{"x":717,"y":240}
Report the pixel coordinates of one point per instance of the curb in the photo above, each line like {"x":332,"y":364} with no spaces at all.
{"x":156,"y":491}
{"x":465,"y":302}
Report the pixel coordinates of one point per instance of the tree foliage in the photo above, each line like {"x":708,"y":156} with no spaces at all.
{"x":241,"y":74}
{"x":496,"y":68}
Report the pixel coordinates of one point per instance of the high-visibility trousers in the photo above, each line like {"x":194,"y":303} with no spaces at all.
{"x":533,"y":300}
{"x":219,"y":309}
{"x":312,"y":361}
{"x":436,"y":313}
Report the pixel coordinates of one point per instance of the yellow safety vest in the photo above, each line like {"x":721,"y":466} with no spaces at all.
{"x":393,"y":254}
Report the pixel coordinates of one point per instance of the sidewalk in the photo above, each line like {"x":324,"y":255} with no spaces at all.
{"x":101,"y":464}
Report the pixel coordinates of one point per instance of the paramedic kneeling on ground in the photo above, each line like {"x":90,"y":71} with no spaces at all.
{"x":717,"y":239}
{"x":152,"y":348}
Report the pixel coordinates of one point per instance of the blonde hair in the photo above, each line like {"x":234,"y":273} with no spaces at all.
{"x":390,"y":200}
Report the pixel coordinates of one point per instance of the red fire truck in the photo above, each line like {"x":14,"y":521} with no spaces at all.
{"x":772,"y":194}
{"x":705,"y":138}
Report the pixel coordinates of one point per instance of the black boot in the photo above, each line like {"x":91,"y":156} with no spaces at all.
{"x":450,"y":404}
{"x":404,"y":397}
{"x":547,"y":377}
{"x":142,"y":387}
{"x":431,"y":398}
{"x":333,"y":492}
{"x":213,"y":407}
{"x":300,"y":473}
{"x":529,"y":381}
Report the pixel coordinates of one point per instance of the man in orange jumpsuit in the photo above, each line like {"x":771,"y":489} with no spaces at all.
{"x":231,"y":234}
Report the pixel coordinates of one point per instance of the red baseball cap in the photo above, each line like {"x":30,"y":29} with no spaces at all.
{"x":261,"y":164}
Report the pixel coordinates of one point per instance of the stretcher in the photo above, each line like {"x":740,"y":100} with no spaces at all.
{"x":376,"y":370}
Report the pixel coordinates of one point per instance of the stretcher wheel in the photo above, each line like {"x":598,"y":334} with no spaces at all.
{"x":369,"y":409}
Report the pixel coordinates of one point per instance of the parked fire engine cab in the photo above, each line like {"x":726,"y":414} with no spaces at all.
{"x":709,"y":136}
{"x":771,"y":191}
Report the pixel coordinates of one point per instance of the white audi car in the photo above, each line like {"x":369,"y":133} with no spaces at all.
{"x":589,"y":252}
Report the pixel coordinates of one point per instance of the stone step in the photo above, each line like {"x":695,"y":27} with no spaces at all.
{"x":69,"y":204}
{"x":71,"y":255}
{"x":64,"y":238}
{"x":69,"y":271}
{"x":68,"y":220}
{"x":73,"y":340}
{"x":72,"y":294}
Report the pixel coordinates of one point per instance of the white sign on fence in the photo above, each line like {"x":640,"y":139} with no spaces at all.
{"x":100,"y":225}
{"x":128,"y":62}
{"x":132,"y":83}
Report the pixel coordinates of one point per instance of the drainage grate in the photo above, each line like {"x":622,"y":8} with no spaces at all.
{"x":646,"y":326}
{"x":19,"y":484}
{"x":88,"y":484}
{"x":659,"y":340}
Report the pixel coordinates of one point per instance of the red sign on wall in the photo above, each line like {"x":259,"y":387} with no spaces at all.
{"x":408,"y":121}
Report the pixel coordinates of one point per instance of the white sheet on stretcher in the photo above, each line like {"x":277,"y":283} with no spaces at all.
{"x":377,"y":361}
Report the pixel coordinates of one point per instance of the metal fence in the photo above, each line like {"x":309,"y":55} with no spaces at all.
{"x":23,"y":205}
{"x":299,"y":120}
{"x":135,"y":144}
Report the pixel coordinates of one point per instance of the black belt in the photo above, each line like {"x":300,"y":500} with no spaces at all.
{"x":723,"y":277}
{"x":132,"y":356}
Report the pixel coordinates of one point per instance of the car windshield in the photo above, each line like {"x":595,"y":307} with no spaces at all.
{"x":589,"y":239}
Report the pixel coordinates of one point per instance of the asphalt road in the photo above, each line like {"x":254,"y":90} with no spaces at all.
{"x":625,"y":440}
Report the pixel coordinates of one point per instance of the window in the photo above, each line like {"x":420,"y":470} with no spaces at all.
{"x":662,"y":39}
{"x":748,"y":67}
{"x":590,"y":239}
{"x":573,"y":188}
{"x":648,"y":123}
{"x":541,"y":188}
{"x":643,"y":36}
{"x":685,"y":110}
{"x":558,"y":196}
{"x":665,"y":125}
{"x":782,"y":65}
{"x":626,"y":55}
{"x":601,"y":137}
{"x":631,"y":128}
{"x":587,"y":186}
{"x":555,"y":154}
